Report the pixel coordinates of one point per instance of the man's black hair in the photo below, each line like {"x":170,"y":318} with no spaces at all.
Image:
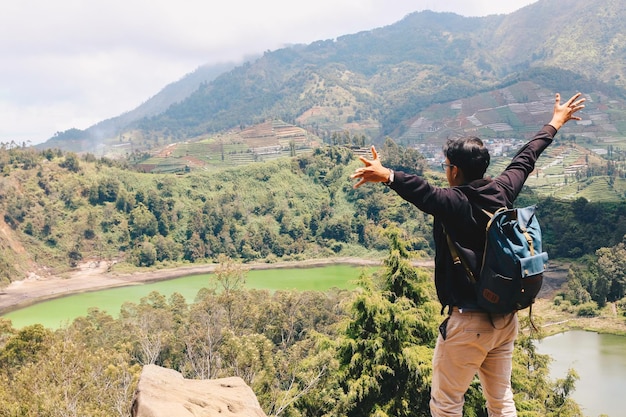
{"x":469,"y":154}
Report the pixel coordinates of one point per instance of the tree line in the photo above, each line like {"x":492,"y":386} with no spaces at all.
{"x":65,"y":209}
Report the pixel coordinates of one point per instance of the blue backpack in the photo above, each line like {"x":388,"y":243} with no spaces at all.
{"x":513,"y":263}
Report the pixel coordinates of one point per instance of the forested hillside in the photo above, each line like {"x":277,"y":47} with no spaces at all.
{"x":59,"y":209}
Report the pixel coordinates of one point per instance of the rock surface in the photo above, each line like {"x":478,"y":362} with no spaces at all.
{"x":164,"y":392}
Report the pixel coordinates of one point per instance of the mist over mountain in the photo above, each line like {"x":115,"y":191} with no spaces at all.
{"x":375,"y":82}
{"x":172,"y":93}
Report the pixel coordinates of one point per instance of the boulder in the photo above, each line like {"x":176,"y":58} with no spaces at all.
{"x":163,"y":392}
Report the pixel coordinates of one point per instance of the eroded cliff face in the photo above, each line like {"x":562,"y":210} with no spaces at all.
{"x":164,"y":392}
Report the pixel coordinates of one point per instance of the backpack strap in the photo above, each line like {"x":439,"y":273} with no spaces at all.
{"x":490,"y":214}
{"x":530,"y":318}
{"x":456,"y":258}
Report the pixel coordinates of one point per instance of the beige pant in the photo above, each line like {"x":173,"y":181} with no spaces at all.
{"x":474,"y":345}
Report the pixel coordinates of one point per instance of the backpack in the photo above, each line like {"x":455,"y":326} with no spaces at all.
{"x":513,"y":263}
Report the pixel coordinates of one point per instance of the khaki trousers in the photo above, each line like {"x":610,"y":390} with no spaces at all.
{"x":473,"y":345}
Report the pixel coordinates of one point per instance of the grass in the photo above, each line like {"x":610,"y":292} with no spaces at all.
{"x":556,"y":319}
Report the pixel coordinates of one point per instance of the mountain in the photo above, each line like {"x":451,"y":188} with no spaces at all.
{"x":377,"y":82}
{"x":172,"y":93}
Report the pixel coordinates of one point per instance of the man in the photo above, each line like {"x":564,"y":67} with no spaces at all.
{"x":470,"y":340}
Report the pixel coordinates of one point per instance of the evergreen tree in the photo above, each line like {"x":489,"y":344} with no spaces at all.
{"x":387,"y":351}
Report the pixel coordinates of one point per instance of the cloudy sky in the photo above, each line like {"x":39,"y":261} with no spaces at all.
{"x":73,"y":63}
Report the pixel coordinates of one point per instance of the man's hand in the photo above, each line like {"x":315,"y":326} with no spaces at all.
{"x":373,"y":171}
{"x":565,"y":112}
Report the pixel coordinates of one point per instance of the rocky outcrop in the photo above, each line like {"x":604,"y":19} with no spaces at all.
{"x":164,"y":392}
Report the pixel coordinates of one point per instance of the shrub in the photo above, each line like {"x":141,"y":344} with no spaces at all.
{"x":145,"y":254}
{"x":621,"y":305}
{"x":589,"y":309}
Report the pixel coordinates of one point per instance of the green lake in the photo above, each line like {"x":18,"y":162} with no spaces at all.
{"x":600,"y":362}
{"x":61,"y":311}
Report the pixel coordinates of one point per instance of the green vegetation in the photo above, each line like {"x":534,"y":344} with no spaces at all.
{"x":60,"y":210}
{"x":304,"y":353}
{"x":572,"y":229}
{"x":592,"y":295}
{"x":598,"y":280}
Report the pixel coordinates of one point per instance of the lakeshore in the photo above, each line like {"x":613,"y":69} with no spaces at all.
{"x":99,"y":275}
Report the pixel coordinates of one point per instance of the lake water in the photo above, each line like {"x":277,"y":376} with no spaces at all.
{"x":61,"y":311}
{"x":599,"y":360}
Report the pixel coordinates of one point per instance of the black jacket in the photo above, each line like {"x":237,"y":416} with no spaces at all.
{"x":459,"y":210}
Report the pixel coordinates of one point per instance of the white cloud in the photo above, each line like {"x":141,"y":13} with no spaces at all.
{"x":73,"y":63}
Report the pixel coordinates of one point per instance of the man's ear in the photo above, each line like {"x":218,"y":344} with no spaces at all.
{"x":457,"y":175}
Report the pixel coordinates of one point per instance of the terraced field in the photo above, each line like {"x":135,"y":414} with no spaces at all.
{"x":269,"y":140}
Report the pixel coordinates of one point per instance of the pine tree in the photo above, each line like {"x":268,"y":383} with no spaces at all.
{"x":386,"y":355}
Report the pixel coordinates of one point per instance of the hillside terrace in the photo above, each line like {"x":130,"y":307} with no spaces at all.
{"x":272,"y":135}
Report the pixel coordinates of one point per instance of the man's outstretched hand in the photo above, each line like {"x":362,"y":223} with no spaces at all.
{"x":565,"y":112}
{"x":373,"y":171}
